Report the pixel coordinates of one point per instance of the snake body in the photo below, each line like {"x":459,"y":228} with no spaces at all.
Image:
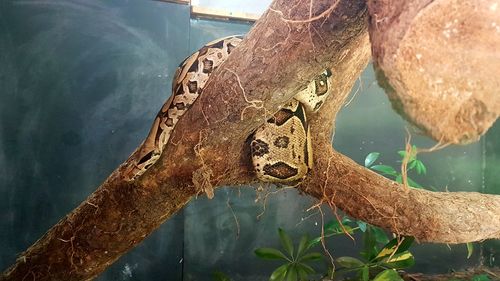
{"x":281,"y":149}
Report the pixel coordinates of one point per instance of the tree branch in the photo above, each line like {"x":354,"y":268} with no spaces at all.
{"x":288,"y":46}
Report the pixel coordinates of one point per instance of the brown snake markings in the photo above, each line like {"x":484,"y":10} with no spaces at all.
{"x":280,"y":148}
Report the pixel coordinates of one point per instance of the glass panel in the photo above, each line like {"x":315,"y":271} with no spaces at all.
{"x":81,"y":82}
{"x":245,"y":6}
{"x":80,"y":85}
{"x":491,"y":185}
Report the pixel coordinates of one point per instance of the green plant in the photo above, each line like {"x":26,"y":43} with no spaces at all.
{"x":381,"y":263}
{"x":295,"y":266}
{"x":482,"y":277}
{"x":412,"y":163}
{"x":380,"y":257}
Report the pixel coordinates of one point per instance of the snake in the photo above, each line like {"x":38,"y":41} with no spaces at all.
{"x":280,"y":149}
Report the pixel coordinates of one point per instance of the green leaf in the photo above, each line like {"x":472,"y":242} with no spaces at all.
{"x":314,"y":241}
{"x":412,"y":164}
{"x":402,"y":153}
{"x":280,"y":273}
{"x":384,"y":169}
{"x":365,"y":273}
{"x":482,"y":277}
{"x":401,"y":260}
{"x":349,"y":262}
{"x":369,"y":244}
{"x":286,"y":242}
{"x":388,"y":275}
{"x":302,"y":272}
{"x":413,"y":183}
{"x":306,"y":268}
{"x":421,"y":169}
{"x":470,"y":249}
{"x":303,"y":245}
{"x":380,"y":235}
{"x":390,"y":247}
{"x":362,"y":225}
{"x":291,"y":273}
{"x":220,"y":276}
{"x":371,"y":158}
{"x":332,"y":226}
{"x":270,"y":254}
{"x":346,"y":220}
{"x":311,"y":257}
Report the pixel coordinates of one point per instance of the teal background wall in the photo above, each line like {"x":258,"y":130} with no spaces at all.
{"x":80,"y":83}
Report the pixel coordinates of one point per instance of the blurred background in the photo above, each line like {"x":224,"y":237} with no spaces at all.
{"x":80,"y":84}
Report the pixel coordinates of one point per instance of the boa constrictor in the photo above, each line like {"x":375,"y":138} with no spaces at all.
{"x":281,"y":150}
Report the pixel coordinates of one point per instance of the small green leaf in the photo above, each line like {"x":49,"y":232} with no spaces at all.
{"x":314,"y":242}
{"x":349,"y":262}
{"x":291,"y":273}
{"x":369,"y":244}
{"x":346,"y":220}
{"x":311,"y":257}
{"x":388,"y":275}
{"x":482,"y":277}
{"x":220,"y":276}
{"x":365,"y":273}
{"x":286,"y":242}
{"x":380,"y":235}
{"x":362,"y":225}
{"x":413,"y":183}
{"x":306,"y":268}
{"x":270,"y":254}
{"x":303,"y":245}
{"x":391,"y":246}
{"x":421,"y":169}
{"x":412,"y":164}
{"x":402,"y":153}
{"x":280,"y":273}
{"x":401,"y":260}
{"x":332,"y":226}
{"x":302,"y":272}
{"x":470,"y":249}
{"x":371,"y":158}
{"x":384,"y":169}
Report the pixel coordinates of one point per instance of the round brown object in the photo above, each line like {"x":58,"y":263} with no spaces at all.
{"x":439,"y":61}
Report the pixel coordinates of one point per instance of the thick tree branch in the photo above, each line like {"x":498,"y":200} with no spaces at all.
{"x":291,"y":43}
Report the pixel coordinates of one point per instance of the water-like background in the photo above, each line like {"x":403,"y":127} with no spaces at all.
{"x":80,"y":84}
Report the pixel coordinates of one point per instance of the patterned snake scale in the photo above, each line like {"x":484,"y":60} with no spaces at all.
{"x":281,"y":148}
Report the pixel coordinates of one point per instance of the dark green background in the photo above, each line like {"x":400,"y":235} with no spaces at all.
{"x":80,"y":82}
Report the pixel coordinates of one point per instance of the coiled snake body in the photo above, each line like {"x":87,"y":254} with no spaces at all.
{"x":281,"y":148}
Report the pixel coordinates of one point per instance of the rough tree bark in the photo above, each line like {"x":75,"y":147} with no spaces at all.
{"x":287,"y":47}
{"x":458,"y":101}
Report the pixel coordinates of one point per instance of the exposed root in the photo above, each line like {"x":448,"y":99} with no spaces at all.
{"x":410,"y":152}
{"x":358,"y":89}
{"x":228,"y":203}
{"x":71,"y":258}
{"x":323,"y":243}
{"x":307,"y":217}
{"x":266,"y":195}
{"x":325,"y":13}
{"x":408,"y":155}
{"x":202,"y":176}
{"x":257,"y":104}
